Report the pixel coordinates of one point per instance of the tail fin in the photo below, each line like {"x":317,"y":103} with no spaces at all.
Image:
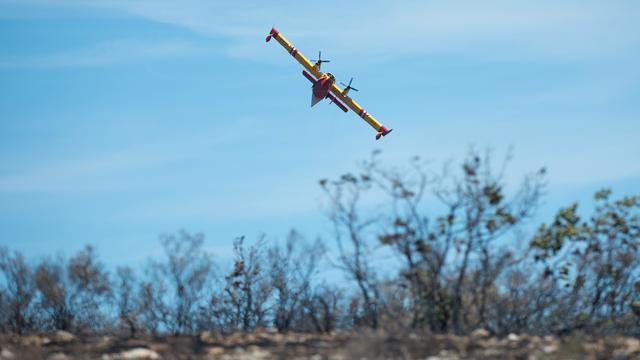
{"x":314,"y":99}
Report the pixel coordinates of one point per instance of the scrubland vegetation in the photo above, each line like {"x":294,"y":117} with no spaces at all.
{"x":423,"y":250}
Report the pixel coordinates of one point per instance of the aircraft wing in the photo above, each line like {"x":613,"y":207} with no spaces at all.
{"x":353,"y":105}
{"x":275,"y":34}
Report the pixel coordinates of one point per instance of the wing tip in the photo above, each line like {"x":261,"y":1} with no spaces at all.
{"x":383,"y":132}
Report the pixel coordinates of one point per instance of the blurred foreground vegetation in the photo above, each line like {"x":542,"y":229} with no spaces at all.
{"x":465,"y":257}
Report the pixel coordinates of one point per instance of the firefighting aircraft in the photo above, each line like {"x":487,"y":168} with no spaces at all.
{"x":324,"y":84}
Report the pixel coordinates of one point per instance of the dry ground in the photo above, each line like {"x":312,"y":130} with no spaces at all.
{"x":357,"y":345}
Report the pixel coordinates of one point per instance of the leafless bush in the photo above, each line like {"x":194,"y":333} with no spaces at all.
{"x":324,"y":310}
{"x":292,"y":268}
{"x":73,"y":294}
{"x":174,"y":292}
{"x":352,"y":232}
{"x":17,"y":311}
{"x":247,"y":290}
{"x":127,"y":300}
{"x":151,"y":304}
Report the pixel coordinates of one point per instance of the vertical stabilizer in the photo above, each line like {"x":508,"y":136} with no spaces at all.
{"x":314,"y":99}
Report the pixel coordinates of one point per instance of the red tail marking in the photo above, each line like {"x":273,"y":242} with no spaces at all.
{"x":272,"y":33}
{"x":383,"y":132}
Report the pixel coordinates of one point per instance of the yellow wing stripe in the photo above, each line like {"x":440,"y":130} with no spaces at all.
{"x":353,"y":105}
{"x":297,"y":55}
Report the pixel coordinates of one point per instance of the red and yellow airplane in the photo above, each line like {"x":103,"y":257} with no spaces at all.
{"x":324,"y":84}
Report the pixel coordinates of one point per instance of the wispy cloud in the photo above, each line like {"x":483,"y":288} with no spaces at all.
{"x":121,"y":169}
{"x":496,"y":29}
{"x":109,"y":53}
{"x":237,"y":200}
{"x":82,"y":173}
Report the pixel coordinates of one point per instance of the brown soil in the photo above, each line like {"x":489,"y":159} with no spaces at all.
{"x":357,"y":345}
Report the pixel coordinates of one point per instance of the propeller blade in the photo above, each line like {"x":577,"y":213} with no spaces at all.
{"x":348,"y":87}
{"x":319,"y":60}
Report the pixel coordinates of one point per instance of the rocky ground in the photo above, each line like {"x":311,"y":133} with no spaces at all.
{"x":271,"y":345}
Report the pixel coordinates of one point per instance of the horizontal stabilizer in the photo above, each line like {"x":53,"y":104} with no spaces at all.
{"x":309,"y":77}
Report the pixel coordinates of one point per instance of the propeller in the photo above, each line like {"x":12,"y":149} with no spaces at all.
{"x":348,"y":87}
{"x":320,"y":61}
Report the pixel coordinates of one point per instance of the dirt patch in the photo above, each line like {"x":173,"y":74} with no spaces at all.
{"x":335,"y":346}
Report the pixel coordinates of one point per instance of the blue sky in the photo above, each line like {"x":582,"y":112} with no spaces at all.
{"x":121,"y":120}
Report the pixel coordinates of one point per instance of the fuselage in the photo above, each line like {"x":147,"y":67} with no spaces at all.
{"x":322,"y":87}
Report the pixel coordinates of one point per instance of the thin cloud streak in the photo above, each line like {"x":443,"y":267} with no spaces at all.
{"x":106,"y":171}
{"x":494,"y":30}
{"x":110,"y":53}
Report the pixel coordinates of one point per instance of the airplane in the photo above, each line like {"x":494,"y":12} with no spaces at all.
{"x":324,"y":84}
